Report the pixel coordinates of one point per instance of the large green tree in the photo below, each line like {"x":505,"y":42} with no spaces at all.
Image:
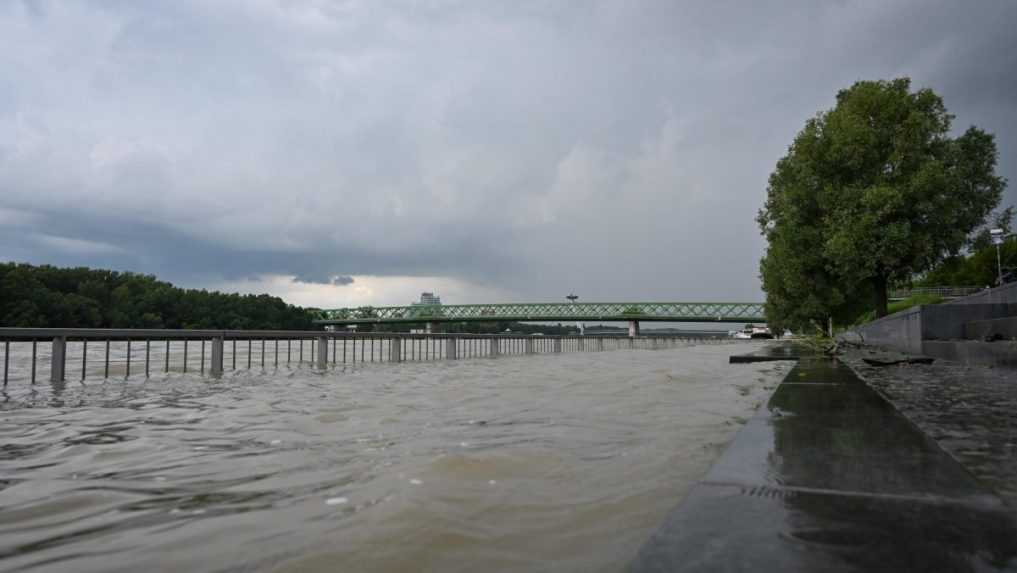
{"x":871,"y":193}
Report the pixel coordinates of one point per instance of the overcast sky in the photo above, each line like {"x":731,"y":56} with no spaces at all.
{"x":343,"y":153}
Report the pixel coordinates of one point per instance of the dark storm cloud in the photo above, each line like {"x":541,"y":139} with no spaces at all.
{"x":621,"y":148}
{"x":342,"y":280}
{"x":141,"y":246}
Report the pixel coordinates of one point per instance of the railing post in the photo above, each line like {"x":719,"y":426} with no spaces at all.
{"x":321,"y":356}
{"x":395,"y":349}
{"x":495,"y":346}
{"x":58,"y":359}
{"x":557,"y":345}
{"x":529,"y":346}
{"x":215,"y":366}
{"x":451,"y":349}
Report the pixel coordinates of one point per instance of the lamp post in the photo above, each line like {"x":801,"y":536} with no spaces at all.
{"x":997,"y":239}
{"x":573,"y":298}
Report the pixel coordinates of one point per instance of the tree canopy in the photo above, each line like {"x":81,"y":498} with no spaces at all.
{"x":45,"y":296}
{"x":870,"y":194}
{"x":980,"y":267}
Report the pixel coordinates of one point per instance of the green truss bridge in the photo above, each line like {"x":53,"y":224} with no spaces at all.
{"x":632,"y":312}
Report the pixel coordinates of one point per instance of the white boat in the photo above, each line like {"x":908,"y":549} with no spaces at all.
{"x":753,"y":331}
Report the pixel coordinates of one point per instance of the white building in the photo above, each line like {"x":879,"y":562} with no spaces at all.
{"x":429,"y":298}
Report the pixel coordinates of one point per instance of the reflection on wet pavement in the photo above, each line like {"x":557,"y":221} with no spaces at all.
{"x":828,"y":476}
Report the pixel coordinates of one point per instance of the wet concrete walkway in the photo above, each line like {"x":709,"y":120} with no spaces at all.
{"x":829,"y":476}
{"x":970,"y":411}
{"x":773,"y":352}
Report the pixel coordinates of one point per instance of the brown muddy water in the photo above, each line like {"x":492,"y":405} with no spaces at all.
{"x":551,"y":462}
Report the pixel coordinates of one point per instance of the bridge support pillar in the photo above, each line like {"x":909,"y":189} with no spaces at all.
{"x":215,"y":367}
{"x":321,"y":356}
{"x":58,"y":359}
{"x":529,"y":346}
{"x":451,"y":348}
{"x":395,"y":350}
{"x":557,"y":345}
{"x":495,"y":346}
{"x":633,"y":328}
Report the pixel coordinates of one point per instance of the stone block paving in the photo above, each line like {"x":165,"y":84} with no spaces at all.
{"x":829,"y":475}
{"x":970,"y":411}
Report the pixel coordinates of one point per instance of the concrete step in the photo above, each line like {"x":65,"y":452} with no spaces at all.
{"x":946,"y":321}
{"x":1005,"y":328}
{"x":973,"y":352}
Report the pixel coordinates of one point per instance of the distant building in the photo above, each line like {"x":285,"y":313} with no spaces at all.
{"x":429,"y":298}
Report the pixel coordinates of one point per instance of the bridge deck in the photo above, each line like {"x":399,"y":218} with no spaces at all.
{"x":737,"y":312}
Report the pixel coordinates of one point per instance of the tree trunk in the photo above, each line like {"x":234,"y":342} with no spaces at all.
{"x":879,"y":292}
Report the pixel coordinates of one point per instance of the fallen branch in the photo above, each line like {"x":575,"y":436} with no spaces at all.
{"x":909,"y":360}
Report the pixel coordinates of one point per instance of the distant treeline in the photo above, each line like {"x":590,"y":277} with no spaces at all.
{"x":46,"y":296}
{"x":978,"y":268}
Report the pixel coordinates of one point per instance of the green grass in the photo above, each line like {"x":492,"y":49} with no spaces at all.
{"x":900,"y":305}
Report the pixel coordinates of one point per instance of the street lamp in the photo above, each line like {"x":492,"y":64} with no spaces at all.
{"x":997,"y":239}
{"x":573,"y":298}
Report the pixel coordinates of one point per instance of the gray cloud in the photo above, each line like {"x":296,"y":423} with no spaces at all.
{"x":615,"y":148}
{"x":342,"y":280}
{"x":323,"y":278}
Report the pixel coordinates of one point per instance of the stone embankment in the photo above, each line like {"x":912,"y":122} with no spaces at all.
{"x":836,"y":473}
{"x":970,"y":411}
{"x":966,"y":400}
{"x":980,"y":329}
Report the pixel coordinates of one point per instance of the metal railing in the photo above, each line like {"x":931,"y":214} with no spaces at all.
{"x":53,"y":353}
{"x":943,"y":291}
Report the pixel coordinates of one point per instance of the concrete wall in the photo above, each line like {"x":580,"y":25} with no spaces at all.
{"x":905,"y":330}
{"x":938,"y":330}
{"x":901,"y":330}
{"x":995,"y":328}
{"x":1004,"y":294}
{"x":946,"y":321}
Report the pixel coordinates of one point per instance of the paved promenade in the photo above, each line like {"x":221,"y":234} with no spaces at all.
{"x":970,"y":411}
{"x":828,"y":476}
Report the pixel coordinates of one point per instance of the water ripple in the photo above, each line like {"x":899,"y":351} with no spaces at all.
{"x":474,"y":464}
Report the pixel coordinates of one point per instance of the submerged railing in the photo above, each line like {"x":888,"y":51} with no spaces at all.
{"x":110,"y":353}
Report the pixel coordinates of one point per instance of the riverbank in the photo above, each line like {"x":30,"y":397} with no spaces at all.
{"x":829,"y":476}
{"x":970,"y":411}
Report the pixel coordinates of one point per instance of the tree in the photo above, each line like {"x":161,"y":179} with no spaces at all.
{"x":979,"y":268}
{"x":43,"y":296}
{"x":870,"y":194}
{"x":1002,"y":220}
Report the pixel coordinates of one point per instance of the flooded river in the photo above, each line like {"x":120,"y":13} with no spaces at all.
{"x":550,"y":462}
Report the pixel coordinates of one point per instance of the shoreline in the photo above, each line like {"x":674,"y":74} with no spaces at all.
{"x":829,"y":475}
{"x":969,"y":411}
